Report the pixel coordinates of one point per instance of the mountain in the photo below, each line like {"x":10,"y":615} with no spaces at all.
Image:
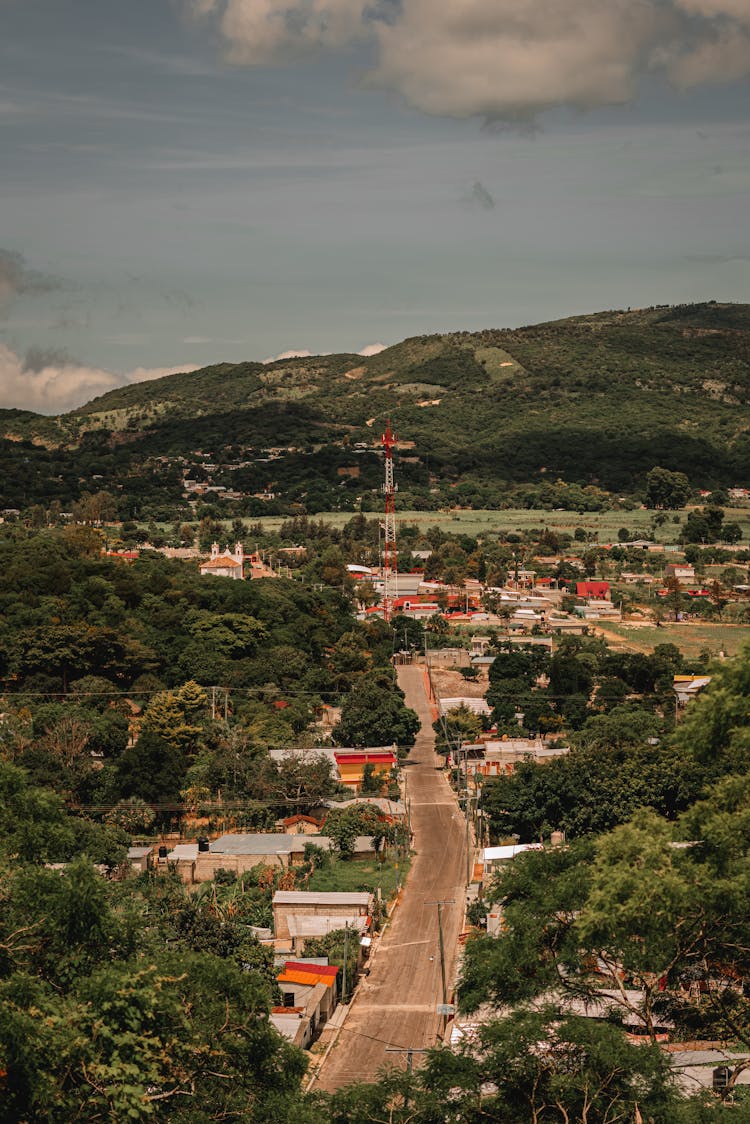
{"x":597,"y":399}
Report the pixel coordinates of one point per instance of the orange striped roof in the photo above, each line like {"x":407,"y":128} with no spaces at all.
{"x":309,"y":974}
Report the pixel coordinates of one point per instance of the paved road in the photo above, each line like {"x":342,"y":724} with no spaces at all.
{"x":396,"y":1003}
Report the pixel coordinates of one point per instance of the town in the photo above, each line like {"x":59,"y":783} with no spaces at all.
{"x":353,"y":758}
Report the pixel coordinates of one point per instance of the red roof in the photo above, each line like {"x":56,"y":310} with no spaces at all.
{"x":592,"y":589}
{"x":364,"y":755}
{"x":309,"y":974}
{"x":314,"y":969}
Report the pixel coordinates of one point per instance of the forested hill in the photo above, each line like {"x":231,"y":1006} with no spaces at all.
{"x":591,"y":399}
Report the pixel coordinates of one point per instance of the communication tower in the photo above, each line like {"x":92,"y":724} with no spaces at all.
{"x":390,"y":559}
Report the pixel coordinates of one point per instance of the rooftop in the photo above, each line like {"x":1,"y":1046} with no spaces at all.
{"x":331,"y":897}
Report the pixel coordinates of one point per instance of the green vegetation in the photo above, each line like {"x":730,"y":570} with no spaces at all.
{"x":599,"y":402}
{"x":692,"y":639}
{"x":359,"y":874}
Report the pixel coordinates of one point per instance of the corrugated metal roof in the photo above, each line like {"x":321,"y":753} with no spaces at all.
{"x":260,"y":843}
{"x":308,"y":975}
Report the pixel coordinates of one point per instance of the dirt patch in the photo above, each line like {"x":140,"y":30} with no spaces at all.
{"x":452,"y":685}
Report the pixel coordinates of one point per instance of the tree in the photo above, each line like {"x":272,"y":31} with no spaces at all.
{"x":376,"y":716}
{"x":673,"y":598}
{"x":344,"y":825}
{"x":456,"y":727}
{"x":704,"y":525}
{"x":300,"y":781}
{"x":667,"y":489}
{"x":632,"y":907}
{"x":172,"y":716}
{"x":546,"y":1065}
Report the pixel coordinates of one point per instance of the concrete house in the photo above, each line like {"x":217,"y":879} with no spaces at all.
{"x":300,"y":915}
{"x":300,"y":980}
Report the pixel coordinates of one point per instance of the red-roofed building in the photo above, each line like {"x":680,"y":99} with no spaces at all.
{"x":312,"y":987}
{"x":351,"y":764}
{"x":300,"y":825}
{"x":599,"y":591}
{"x":124,"y":555}
{"x":309,"y":990}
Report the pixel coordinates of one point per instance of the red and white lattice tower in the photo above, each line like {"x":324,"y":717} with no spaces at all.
{"x":390,"y":560}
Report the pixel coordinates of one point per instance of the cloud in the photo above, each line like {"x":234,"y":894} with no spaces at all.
{"x":293,"y":354}
{"x":268,"y":31}
{"x":51,"y":382}
{"x":503,"y":60}
{"x":372,"y":349}
{"x":17,"y":279}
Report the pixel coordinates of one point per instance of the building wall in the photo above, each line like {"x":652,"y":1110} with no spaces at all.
{"x":282,"y":912}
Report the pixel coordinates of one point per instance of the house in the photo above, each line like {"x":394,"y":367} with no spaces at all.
{"x":599,"y":591}
{"x":302,"y":913}
{"x":257,"y":568}
{"x":686,"y":687}
{"x":223,"y":564}
{"x":299,"y":825}
{"x":681,"y":572}
{"x":309,"y":994}
{"x":495,"y":758}
{"x":140,"y":858}
{"x":351,"y":764}
{"x":302,"y":980}
{"x":198,"y":862}
{"x":477,"y":706}
{"x":494,"y":858}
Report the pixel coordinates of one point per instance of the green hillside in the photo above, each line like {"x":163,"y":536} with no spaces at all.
{"x":595,"y":399}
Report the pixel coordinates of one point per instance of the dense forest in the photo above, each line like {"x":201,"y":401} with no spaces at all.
{"x":148,"y":683}
{"x":594,"y":401}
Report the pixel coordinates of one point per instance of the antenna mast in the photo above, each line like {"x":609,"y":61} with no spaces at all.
{"x":390,"y":562}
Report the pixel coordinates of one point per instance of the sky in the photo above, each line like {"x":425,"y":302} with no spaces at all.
{"x":185,"y":182}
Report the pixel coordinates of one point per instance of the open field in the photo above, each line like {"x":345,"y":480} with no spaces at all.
{"x":349,"y":876}
{"x":605,"y":523}
{"x":691,"y":639}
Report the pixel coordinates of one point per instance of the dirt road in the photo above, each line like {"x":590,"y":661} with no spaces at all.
{"x":396,"y":1004}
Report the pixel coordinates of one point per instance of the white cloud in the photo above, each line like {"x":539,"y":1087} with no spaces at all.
{"x":372,"y":349}
{"x":293,"y":354}
{"x":505,"y":60}
{"x":60,"y":384}
{"x":263,"y":31}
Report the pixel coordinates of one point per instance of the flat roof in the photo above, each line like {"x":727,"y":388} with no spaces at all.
{"x":321,"y":924}
{"x":491,"y":854}
{"x":327,"y":897}
{"x":260,"y":843}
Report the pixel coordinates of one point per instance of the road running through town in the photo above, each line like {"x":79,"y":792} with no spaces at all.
{"x":396,"y":1004}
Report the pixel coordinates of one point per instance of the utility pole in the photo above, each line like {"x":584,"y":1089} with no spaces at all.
{"x":346,"y":953}
{"x":390,"y":562}
{"x":410,"y":1051}
{"x":440,"y":904}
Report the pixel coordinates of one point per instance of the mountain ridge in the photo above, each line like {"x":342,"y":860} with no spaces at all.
{"x":598,"y":399}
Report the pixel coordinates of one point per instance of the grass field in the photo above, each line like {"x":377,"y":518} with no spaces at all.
{"x":691,"y":639}
{"x":605,"y":523}
{"x":350,"y":876}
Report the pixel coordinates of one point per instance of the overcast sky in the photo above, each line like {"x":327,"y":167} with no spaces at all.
{"x":190,"y":181}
